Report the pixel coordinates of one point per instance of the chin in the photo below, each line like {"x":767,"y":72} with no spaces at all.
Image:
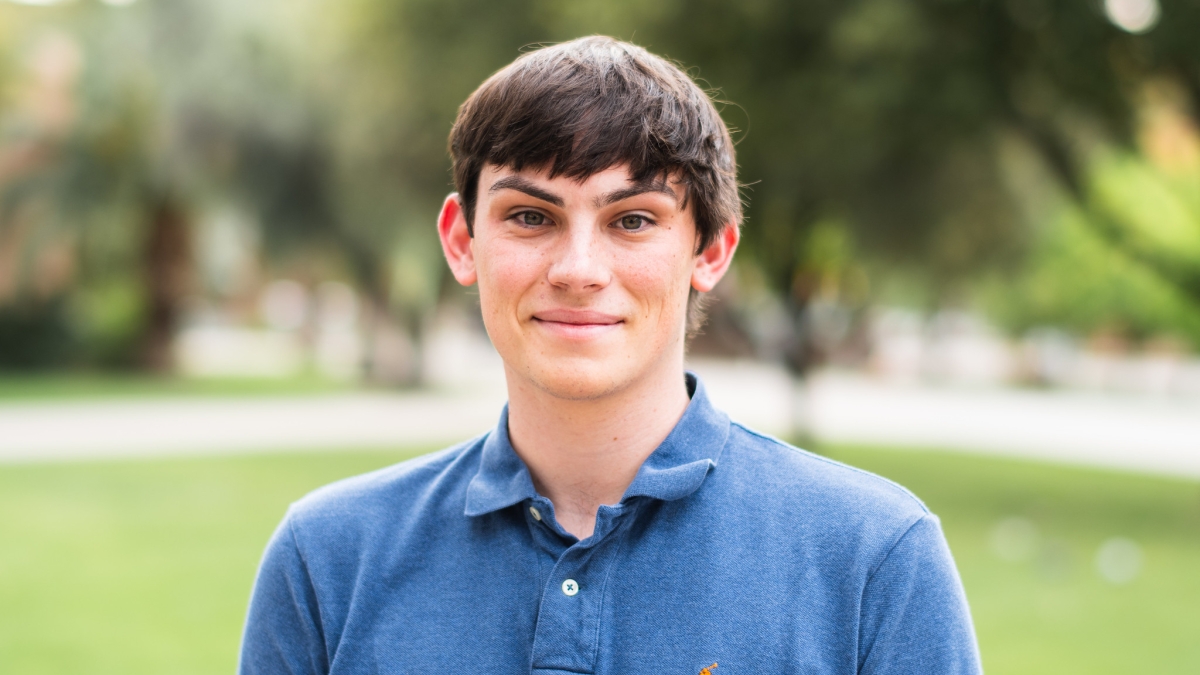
{"x":577,"y":379}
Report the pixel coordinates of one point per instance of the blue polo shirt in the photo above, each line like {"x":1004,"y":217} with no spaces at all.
{"x":729,"y":547}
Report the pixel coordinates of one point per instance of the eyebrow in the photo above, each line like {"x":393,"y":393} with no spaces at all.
{"x":522,"y":185}
{"x":635,"y":190}
{"x":526,"y":186}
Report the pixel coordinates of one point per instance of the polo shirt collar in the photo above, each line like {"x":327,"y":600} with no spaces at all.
{"x":674,"y":470}
{"x":502,"y":479}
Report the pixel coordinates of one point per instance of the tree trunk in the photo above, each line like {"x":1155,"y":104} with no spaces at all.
{"x":167,"y":274}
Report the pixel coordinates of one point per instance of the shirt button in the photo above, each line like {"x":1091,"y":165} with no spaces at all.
{"x":537,"y":515}
{"x":570,"y":587}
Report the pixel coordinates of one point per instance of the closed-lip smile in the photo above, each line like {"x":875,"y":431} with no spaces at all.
{"x":577,"y":317}
{"x":576,"y":323}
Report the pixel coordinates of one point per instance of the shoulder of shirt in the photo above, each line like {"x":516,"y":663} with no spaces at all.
{"x":809,"y":477}
{"x":383,"y":490}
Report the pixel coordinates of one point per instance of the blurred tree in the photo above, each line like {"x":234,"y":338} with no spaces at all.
{"x":36,"y":111}
{"x":887,"y":118}
{"x":891,"y":116}
{"x":184,"y":104}
{"x":871,"y":131}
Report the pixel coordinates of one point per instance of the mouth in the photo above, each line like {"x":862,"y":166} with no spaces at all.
{"x":577,"y":324}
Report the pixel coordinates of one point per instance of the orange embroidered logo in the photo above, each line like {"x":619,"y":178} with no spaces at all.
{"x":708,"y":670}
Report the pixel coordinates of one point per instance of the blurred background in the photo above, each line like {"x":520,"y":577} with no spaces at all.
{"x":971,"y":263}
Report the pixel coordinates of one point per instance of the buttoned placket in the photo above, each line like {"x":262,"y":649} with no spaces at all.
{"x":574,"y":579}
{"x":574,"y":575}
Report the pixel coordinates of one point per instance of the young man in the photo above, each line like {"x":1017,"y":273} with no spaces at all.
{"x":613,"y":522}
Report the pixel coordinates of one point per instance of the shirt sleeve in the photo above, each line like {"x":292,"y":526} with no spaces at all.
{"x":914,"y":617}
{"x":283,"y":633}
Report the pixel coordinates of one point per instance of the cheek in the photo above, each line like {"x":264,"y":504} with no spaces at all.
{"x":662,"y":282}
{"x":505,"y":274}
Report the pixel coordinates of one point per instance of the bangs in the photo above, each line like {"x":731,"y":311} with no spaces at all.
{"x":576,"y":122}
{"x":586,"y":106}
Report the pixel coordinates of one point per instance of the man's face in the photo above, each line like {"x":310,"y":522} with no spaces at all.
{"x":583,"y":284}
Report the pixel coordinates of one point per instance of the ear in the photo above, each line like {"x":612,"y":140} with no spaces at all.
{"x":713,"y":261}
{"x":456,"y":240}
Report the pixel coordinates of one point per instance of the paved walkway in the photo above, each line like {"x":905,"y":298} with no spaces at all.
{"x":1156,"y":435}
{"x":1142,"y":433}
{"x":131,"y":428}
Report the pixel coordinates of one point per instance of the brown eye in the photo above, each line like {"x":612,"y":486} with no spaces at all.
{"x":532,"y":218}
{"x":632,"y":222}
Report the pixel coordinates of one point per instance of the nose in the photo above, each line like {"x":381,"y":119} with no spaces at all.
{"x":577,"y":262}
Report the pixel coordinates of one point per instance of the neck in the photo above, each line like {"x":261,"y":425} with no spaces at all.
{"x":584,"y":453}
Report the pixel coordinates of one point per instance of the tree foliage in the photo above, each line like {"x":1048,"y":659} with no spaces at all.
{"x":886,"y":125}
{"x":887,"y":118}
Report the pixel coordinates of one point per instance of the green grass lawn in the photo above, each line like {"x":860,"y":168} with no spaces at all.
{"x":1051,"y":611}
{"x":145,"y":566}
{"x":69,"y":386}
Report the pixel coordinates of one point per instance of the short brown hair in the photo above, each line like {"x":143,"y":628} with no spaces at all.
{"x":580,"y":107}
